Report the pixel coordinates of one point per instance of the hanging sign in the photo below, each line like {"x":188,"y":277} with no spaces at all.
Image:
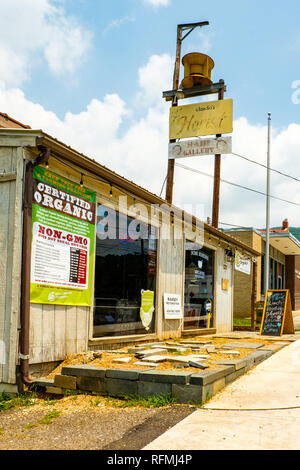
{"x":197,"y":147}
{"x":147,"y":308}
{"x":277,"y":316}
{"x":62,"y":246}
{"x":194,"y":120}
{"x":172,"y":307}
{"x":242,"y":264}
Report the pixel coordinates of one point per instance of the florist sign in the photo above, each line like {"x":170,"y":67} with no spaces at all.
{"x":242,"y":264}
{"x":62,"y":247}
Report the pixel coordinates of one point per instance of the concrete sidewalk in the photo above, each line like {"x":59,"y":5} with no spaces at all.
{"x":256,"y":412}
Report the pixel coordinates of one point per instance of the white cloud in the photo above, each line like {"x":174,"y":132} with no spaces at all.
{"x":31,"y":30}
{"x":140,"y":152}
{"x":154,"y":78}
{"x":201,"y":42}
{"x":115,"y":24}
{"x":158,"y":3}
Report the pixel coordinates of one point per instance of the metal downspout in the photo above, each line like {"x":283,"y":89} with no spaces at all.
{"x":26,"y":265}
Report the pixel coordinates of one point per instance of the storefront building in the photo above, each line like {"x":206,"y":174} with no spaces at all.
{"x":91,"y":260}
{"x":284,"y":253}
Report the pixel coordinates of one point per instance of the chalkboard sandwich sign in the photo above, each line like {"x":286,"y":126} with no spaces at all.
{"x":277,"y":315}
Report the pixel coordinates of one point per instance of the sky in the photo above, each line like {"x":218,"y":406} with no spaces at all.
{"x":91,"y":73}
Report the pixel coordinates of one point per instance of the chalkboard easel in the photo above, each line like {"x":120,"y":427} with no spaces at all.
{"x":277,"y":316}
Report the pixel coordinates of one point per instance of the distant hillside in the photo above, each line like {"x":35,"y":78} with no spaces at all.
{"x":296,"y":232}
{"x":293,"y":230}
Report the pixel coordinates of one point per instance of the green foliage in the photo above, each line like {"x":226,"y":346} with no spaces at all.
{"x":30,"y":426}
{"x":70,"y":392}
{"x":49,"y":401}
{"x":49,"y":417}
{"x":96,"y":402}
{"x":21,"y":399}
{"x":145,"y":402}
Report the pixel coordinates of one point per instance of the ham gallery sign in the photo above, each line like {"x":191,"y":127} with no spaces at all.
{"x":62,"y":245}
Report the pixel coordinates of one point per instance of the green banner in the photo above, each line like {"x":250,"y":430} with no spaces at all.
{"x":62,"y":245}
{"x":147,"y":308}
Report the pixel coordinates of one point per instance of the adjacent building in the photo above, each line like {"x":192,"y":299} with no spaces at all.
{"x":284,"y":264}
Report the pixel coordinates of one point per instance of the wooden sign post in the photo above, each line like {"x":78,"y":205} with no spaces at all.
{"x":277,"y":316}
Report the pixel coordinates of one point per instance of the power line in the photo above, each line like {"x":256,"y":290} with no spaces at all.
{"x":265,"y":166}
{"x":236,"y":185}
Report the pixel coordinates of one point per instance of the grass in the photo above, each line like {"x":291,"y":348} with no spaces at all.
{"x":49,"y":401}
{"x":70,"y":392}
{"x":21,"y":399}
{"x":49,"y":417}
{"x":145,"y":402}
{"x":244,"y":322}
{"x":30,"y":426}
{"x":96,"y":402}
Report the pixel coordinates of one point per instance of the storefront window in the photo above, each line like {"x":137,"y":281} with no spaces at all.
{"x":198,"y":292}
{"x":125,"y":267}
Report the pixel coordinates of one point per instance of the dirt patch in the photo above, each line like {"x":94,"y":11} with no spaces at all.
{"x":84,"y":423}
{"x":107,"y":357}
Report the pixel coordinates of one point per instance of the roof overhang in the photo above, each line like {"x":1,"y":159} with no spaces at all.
{"x":285,"y":242}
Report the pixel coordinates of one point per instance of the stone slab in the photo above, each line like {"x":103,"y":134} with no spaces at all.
{"x":135,"y":349}
{"x":198,"y":365}
{"x":170,"y":348}
{"x":65,"y":381}
{"x":273,"y":347}
{"x":84,"y":370}
{"x":233,"y":353}
{"x":245,"y":345}
{"x":187,"y":359}
{"x":210,"y":376}
{"x":195,"y":342}
{"x":162,"y":376}
{"x":150,"y":352}
{"x":55,"y":390}
{"x":192,"y":394}
{"x":156,"y":359}
{"x":122,"y":374}
{"x":122,"y":360}
{"x":146,"y":389}
{"x":237,"y":363}
{"x":260,"y":355}
{"x":92,"y":384}
{"x":146,"y":364}
{"x":44,"y":382}
{"x":120,"y":388}
{"x":235,"y":375}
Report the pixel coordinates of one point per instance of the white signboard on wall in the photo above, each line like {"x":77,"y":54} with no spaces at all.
{"x":172,"y":307}
{"x":242,"y":264}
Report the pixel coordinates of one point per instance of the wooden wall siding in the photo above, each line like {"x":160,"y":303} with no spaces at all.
{"x":57,"y":330}
{"x":224,"y":299}
{"x":10,"y":260}
{"x":170,"y":280}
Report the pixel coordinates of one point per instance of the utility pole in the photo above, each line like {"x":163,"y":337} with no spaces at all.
{"x":217,"y":176}
{"x":171,"y":162}
{"x":267,"y":251}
